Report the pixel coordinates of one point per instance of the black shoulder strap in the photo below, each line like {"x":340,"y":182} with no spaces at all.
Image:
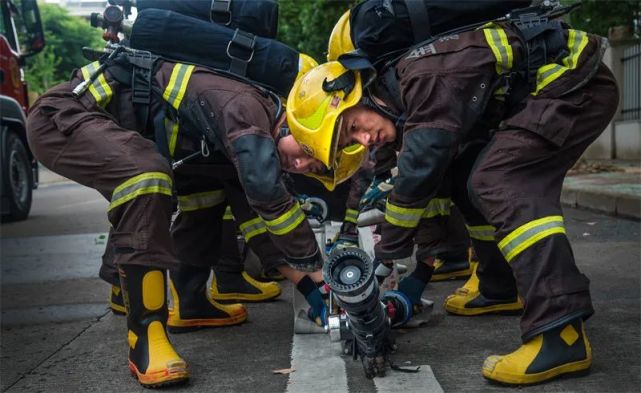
{"x":220,"y":12}
{"x":419,"y":19}
{"x":241,"y":51}
{"x":141,"y":77}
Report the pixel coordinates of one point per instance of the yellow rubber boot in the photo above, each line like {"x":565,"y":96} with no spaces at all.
{"x":472,"y":283}
{"x":469,"y":301}
{"x":192,"y":309}
{"x":152,"y":359}
{"x":241,"y":287}
{"x":116,"y":302}
{"x":271,"y":275}
{"x":559,"y":351}
{"x":450,"y":269}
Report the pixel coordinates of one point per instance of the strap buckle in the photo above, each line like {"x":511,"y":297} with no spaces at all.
{"x":143,"y":63}
{"x":220,"y":12}
{"x":241,"y":42}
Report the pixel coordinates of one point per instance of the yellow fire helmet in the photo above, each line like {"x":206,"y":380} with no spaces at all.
{"x":349,"y":161}
{"x":305,"y":64}
{"x":314,"y":105}
{"x":340,"y":40}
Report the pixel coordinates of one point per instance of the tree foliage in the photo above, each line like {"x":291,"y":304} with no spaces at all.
{"x":597,"y":16}
{"x":65,"y":35}
{"x":306,"y":25}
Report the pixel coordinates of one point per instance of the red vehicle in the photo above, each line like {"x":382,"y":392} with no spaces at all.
{"x":21,"y":36}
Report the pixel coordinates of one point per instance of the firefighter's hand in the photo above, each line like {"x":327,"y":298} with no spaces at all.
{"x":342,"y":240}
{"x":313,"y":207}
{"x":376,"y":194}
{"x":383,"y":269}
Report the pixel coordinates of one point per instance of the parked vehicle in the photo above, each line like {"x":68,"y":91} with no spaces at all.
{"x":21,"y":36}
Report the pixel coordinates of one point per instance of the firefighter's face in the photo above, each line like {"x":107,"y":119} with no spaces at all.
{"x":361,"y":124}
{"x":294,"y":159}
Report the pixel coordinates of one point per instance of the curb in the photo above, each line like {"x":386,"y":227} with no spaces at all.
{"x":582,"y":192}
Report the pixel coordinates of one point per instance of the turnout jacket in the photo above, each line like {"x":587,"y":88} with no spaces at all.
{"x":450,"y":90}
{"x":195,"y":105}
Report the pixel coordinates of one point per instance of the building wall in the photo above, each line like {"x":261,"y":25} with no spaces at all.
{"x":622,"y":138}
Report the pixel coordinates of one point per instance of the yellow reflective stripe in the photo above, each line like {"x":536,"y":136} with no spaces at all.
{"x":200,"y":200}
{"x":253,"y":227}
{"x":577,"y":41}
{"x":500,"y":46}
{"x":172,"y":135}
{"x":145,"y":183}
{"x":438,"y":207}
{"x":228,"y":214}
{"x":287,"y":222}
{"x":481,"y":232}
{"x":99,"y":88}
{"x":526,"y":235}
{"x":351,"y":215}
{"x":401,"y":216}
{"x":175,"y":90}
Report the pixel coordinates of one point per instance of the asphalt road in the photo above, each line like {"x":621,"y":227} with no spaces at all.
{"x":58,"y":336}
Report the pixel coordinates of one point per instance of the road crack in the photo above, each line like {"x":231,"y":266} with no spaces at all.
{"x":64,"y":345}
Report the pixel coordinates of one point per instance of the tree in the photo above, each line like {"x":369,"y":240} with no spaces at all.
{"x":65,"y":35}
{"x":597,"y":16}
{"x":306,"y":25}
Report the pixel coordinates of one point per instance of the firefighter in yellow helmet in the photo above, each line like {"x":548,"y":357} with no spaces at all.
{"x":506,"y":170}
{"x":444,"y":234}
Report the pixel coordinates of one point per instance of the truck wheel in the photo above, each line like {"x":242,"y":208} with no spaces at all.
{"x":17,"y":179}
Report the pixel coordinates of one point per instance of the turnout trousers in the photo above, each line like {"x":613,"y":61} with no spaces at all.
{"x":87,"y":146}
{"x":509,"y":192}
{"x":204,"y":233}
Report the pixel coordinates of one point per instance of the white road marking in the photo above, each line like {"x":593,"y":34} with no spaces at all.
{"x":319,"y":367}
{"x":318,"y":362}
{"x":422,"y":382}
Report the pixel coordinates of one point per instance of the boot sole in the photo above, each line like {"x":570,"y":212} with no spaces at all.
{"x":159,"y":379}
{"x":504,"y":309}
{"x":190,"y":325}
{"x":574,"y":369}
{"x":244,"y":297}
{"x":452,"y":275}
{"x":117,"y":309}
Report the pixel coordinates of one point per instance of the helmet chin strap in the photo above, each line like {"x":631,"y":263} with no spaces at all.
{"x":398,"y":120}
{"x":283,"y":131}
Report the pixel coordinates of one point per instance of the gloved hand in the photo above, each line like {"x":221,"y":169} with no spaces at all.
{"x":382,"y":269}
{"x":376,"y":194}
{"x":342,"y":240}
{"x":313,"y":207}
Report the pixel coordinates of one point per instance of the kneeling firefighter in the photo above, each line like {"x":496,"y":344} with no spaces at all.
{"x":542,"y":90}
{"x":98,"y":129}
